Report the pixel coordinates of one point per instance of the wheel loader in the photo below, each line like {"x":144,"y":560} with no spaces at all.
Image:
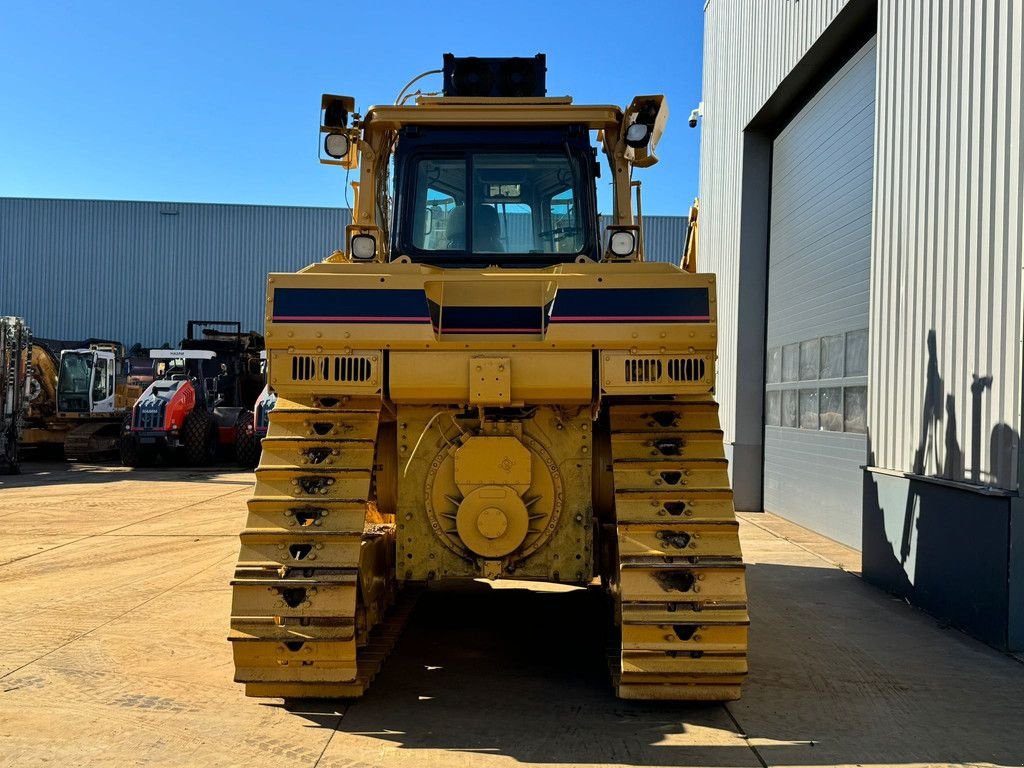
{"x":485,"y":385}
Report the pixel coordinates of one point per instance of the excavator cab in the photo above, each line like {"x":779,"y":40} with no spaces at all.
{"x":86,"y":381}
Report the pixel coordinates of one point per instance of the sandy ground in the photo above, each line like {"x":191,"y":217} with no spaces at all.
{"x":115,"y":599}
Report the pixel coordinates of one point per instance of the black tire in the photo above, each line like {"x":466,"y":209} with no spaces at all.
{"x":132,"y":453}
{"x":248,"y":446}
{"x":197,"y":439}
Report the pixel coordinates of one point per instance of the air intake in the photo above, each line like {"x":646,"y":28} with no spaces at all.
{"x":686,"y":369}
{"x":513,"y":77}
{"x":643,"y":370}
{"x":332,"y":368}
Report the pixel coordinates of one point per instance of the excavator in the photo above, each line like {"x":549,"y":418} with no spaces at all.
{"x":79,"y":392}
{"x":480,"y":386}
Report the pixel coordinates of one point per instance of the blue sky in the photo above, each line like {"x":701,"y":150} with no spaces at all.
{"x":218,"y":102}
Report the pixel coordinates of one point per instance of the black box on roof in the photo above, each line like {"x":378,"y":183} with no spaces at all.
{"x":509,"y":77}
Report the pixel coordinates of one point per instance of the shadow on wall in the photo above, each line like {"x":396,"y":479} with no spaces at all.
{"x":940,"y":546}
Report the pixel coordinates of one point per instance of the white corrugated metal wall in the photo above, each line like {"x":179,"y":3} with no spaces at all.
{"x":749,"y":47}
{"x":948,"y":241}
{"x":948,"y":217}
{"x":817,"y":329}
{"x":137,"y":271}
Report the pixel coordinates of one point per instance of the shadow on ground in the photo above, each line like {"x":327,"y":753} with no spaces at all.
{"x":75,"y":472}
{"x":841,"y":674}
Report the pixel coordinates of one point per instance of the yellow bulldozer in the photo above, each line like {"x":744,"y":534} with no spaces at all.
{"x":487,"y":384}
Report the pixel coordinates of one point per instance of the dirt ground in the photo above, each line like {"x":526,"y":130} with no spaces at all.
{"x":115,"y":601}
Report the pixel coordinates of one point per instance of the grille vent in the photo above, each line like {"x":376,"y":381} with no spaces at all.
{"x":651,"y":370}
{"x":334,"y":368}
{"x":643,"y":370}
{"x":686,"y":369}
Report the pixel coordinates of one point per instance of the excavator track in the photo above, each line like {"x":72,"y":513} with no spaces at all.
{"x":315,"y":576}
{"x":679,"y":589}
{"x":92,"y":440}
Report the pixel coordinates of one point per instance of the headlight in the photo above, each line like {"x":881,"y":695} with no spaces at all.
{"x":364,"y":247}
{"x":622,"y":243}
{"x":638,"y":134}
{"x":336,"y":145}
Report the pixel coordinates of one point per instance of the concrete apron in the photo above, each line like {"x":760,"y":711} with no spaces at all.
{"x":114,"y":589}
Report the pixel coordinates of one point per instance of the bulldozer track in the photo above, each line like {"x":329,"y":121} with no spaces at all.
{"x":315,"y":575}
{"x":679,"y":588}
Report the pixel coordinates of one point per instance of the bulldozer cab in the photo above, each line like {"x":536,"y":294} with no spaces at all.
{"x":512,"y":197}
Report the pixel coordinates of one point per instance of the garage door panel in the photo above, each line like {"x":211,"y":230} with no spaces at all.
{"x":818,"y":287}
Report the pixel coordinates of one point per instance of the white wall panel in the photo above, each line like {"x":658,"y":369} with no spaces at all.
{"x":818,"y":276}
{"x":138,"y":271}
{"x":948,"y":241}
{"x":749,"y":47}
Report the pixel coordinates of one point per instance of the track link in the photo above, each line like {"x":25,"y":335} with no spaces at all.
{"x":315,"y":574}
{"x":680,"y":592}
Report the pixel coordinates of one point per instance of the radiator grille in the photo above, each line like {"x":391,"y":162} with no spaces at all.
{"x":643,"y":370}
{"x":686,"y":369}
{"x":332,"y":368}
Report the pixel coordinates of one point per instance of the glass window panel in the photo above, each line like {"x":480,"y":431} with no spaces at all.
{"x":506,"y":187}
{"x":855,"y":409}
{"x":100,"y":384}
{"x":774,"y":367}
{"x":791,"y":362}
{"x":773,"y":408}
{"x":831,"y":408}
{"x":789,"y":408}
{"x":565,"y":235}
{"x":809,"y":362}
{"x":832,"y":357}
{"x":439,"y":220}
{"x":808,"y":409}
{"x":523,"y":202}
{"x":857,"y":353}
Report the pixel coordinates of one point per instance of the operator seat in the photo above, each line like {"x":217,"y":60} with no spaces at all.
{"x":486,"y":229}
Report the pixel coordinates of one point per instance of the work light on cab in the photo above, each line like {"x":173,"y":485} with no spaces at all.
{"x":637,"y":134}
{"x":622,"y":242}
{"x":336,"y":145}
{"x":364,"y":247}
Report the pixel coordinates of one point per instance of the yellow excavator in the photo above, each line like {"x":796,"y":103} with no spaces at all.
{"x":79,"y":393}
{"x":485,"y":384}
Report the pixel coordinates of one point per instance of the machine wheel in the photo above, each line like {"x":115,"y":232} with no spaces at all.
{"x":197,"y":438}
{"x":132,"y":453}
{"x":247,"y":445}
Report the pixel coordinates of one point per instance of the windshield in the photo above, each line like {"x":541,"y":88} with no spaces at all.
{"x":75,"y":373}
{"x":492,"y":202}
{"x":73,"y":382}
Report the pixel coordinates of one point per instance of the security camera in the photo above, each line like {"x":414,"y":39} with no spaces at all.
{"x":695,"y":115}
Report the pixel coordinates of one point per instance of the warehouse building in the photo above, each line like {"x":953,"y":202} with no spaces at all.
{"x":871,"y":294}
{"x":138,"y":271}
